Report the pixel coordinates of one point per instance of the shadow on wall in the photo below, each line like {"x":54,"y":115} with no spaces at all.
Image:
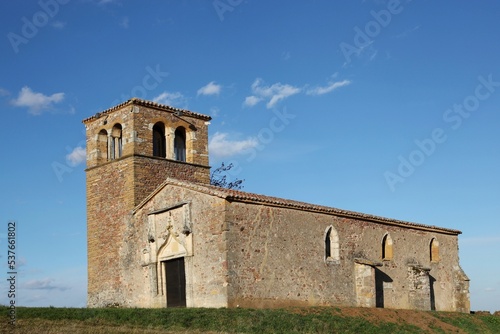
{"x":432,"y":280}
{"x":380,"y":279}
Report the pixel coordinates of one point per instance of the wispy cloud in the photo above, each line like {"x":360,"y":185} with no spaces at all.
{"x":4,"y":92}
{"x":407,"y":32}
{"x":43,"y":284}
{"x":77,"y":156}
{"x":320,"y":90}
{"x":214,"y":111}
{"x":364,"y":52}
{"x":58,"y":24}
{"x":250,"y":101}
{"x":21,"y":262}
{"x":103,"y":2}
{"x":221,"y":146}
{"x":274,"y":93}
{"x":36,"y":102}
{"x":124,"y":23}
{"x":174,"y":99}
{"x":210,"y":89}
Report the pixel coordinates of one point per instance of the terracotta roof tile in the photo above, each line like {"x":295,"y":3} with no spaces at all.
{"x":150,"y":104}
{"x":245,"y":197}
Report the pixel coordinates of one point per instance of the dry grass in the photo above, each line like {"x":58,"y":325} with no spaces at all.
{"x":262,"y":321}
{"x":42,"y":326}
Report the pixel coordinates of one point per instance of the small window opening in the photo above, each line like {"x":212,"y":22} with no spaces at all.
{"x":328,"y":248}
{"x":116,"y":142}
{"x":332,"y":246}
{"x":159,"y":147}
{"x":434,"y":250}
{"x":102,"y":146}
{"x":180,"y":144}
{"x":387,"y":248}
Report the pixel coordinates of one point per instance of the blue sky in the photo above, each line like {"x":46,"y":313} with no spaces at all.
{"x":383,"y":107}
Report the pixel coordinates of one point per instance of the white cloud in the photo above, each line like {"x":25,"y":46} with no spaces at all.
{"x":220,"y":146}
{"x":77,"y":156}
{"x":21,"y":261}
{"x":363,"y":52}
{"x":273,"y":93}
{"x":250,"y":101}
{"x":214,"y":111}
{"x":36,"y":102}
{"x":124,"y":22}
{"x":174,"y":99}
{"x":210,"y":89}
{"x":43,"y":284}
{"x":329,"y":88}
{"x":407,"y":32}
{"x":58,"y":24}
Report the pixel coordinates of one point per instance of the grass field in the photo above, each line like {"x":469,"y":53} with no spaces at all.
{"x":199,"y":320}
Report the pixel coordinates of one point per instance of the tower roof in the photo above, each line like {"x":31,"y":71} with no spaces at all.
{"x":149,"y":104}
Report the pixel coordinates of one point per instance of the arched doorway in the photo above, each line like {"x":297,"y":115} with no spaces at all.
{"x":172,"y":272}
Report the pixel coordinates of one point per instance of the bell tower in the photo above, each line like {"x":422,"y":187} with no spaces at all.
{"x":131,"y":149}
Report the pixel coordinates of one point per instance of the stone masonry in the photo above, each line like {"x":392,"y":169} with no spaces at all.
{"x":159,"y":235}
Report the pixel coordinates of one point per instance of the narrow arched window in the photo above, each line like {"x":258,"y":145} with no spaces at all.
{"x":434,"y":250}
{"x":116,"y":142}
{"x":328,"y":248}
{"x":180,"y":144}
{"x":159,"y":147}
{"x":332,"y":246}
{"x":387,"y":247}
{"x":102,"y":146}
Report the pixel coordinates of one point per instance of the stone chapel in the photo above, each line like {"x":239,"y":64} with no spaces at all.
{"x":159,"y":235}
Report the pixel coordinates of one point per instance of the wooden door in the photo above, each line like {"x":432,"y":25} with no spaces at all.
{"x":176,"y":282}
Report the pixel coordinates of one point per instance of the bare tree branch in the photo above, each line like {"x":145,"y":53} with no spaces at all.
{"x":218,"y":178}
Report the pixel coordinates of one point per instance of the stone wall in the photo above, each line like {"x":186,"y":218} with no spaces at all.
{"x":137,"y":118}
{"x":420,"y":295}
{"x":276,"y":258}
{"x":109,"y":198}
{"x":206,"y":254}
{"x":118,"y":179}
{"x":244,"y":251}
{"x":366,"y":292}
{"x":253,"y":255}
{"x":150,"y":172}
